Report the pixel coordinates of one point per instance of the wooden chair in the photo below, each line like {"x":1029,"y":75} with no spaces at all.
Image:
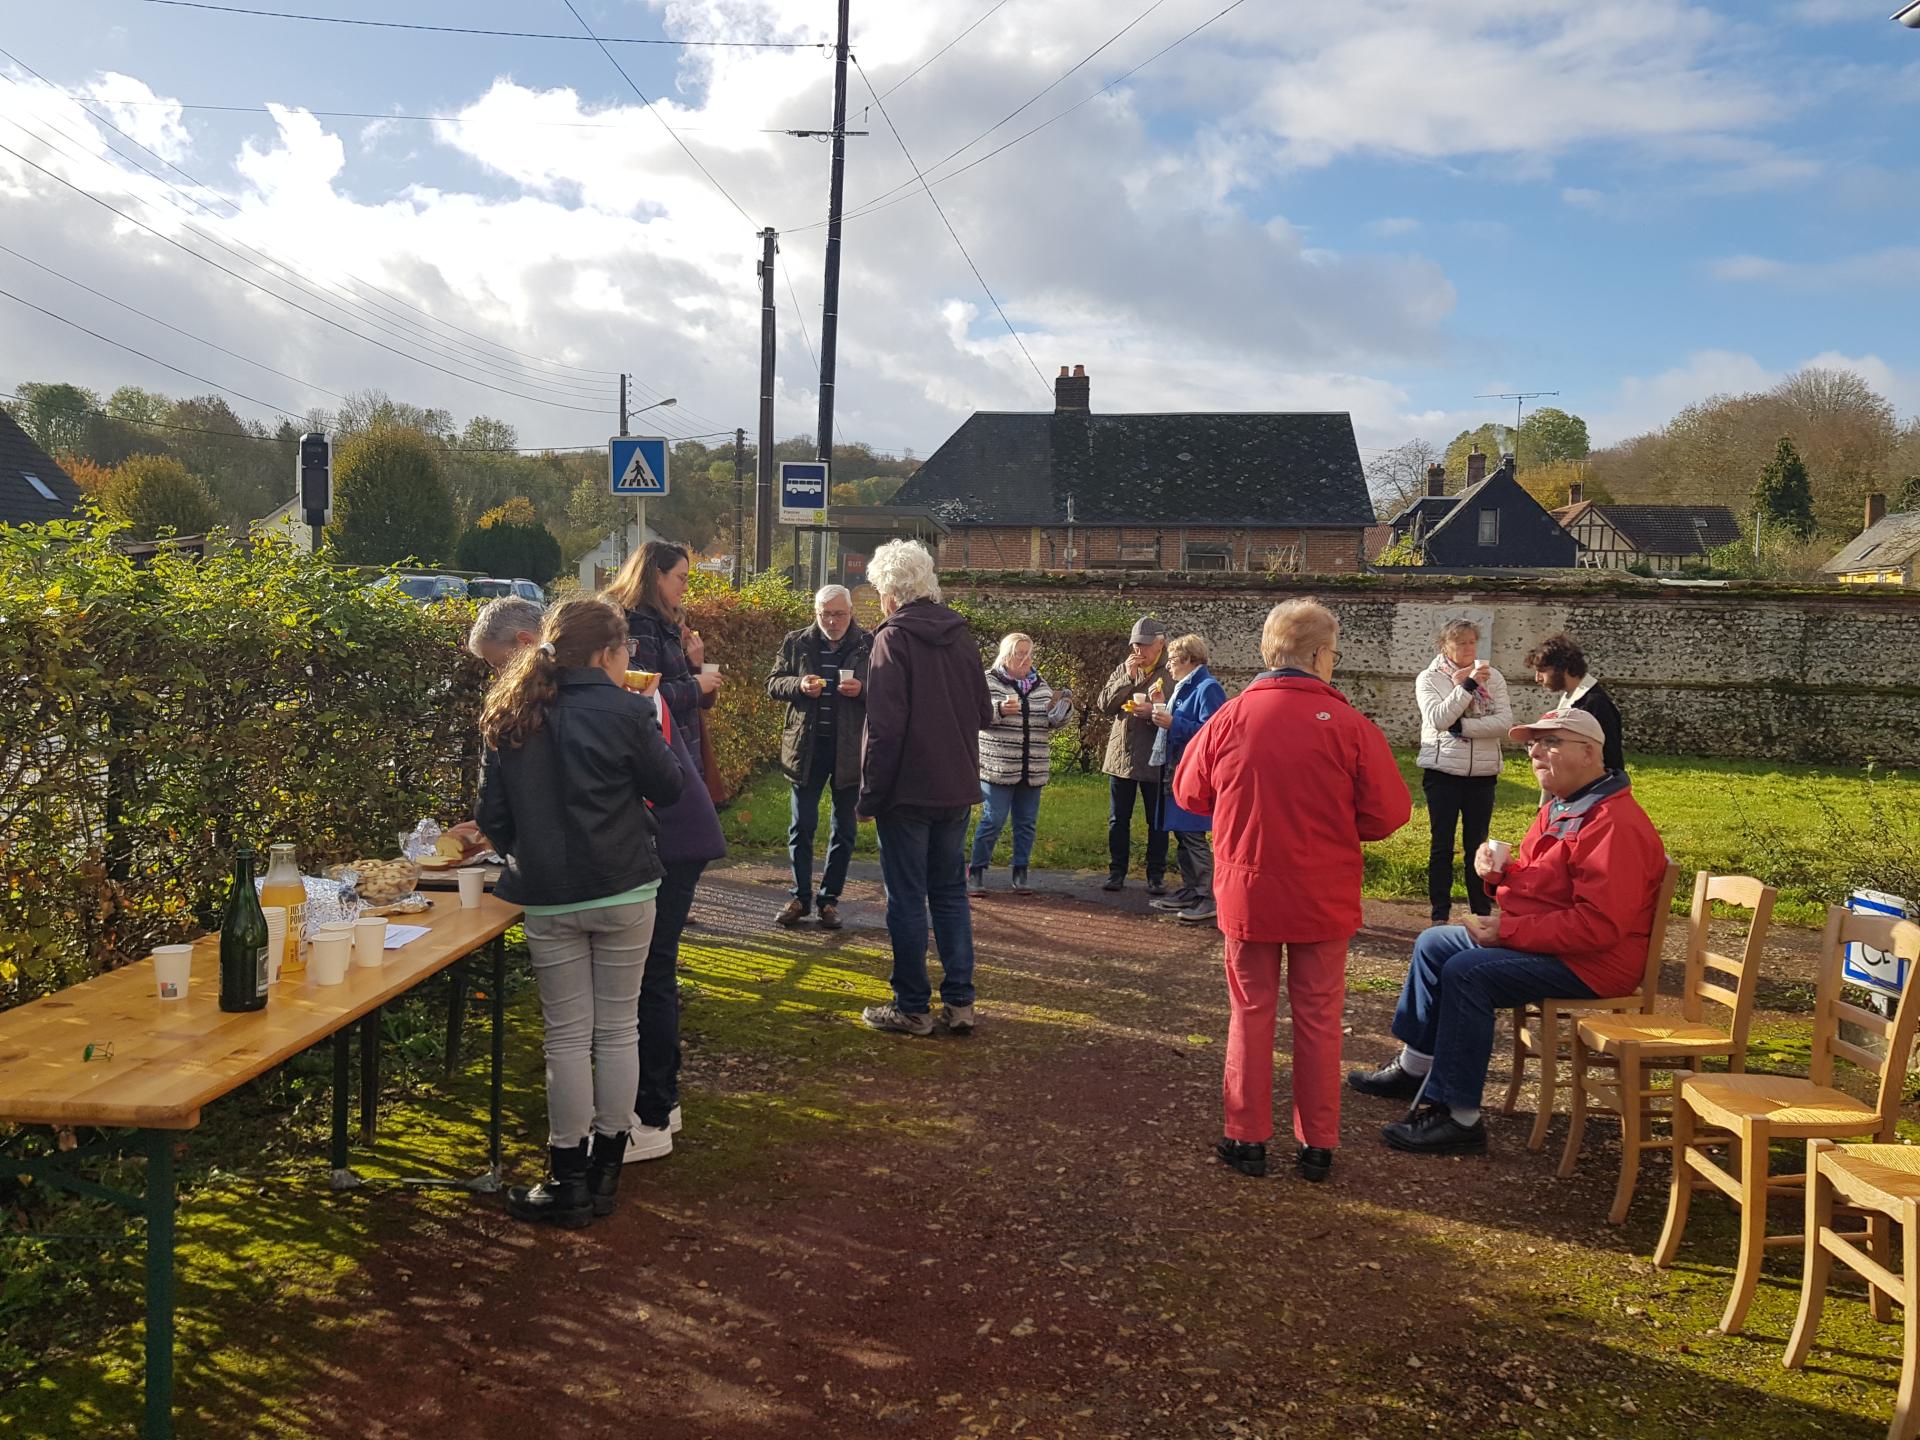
{"x":1749,"y":1112}
{"x":1614,"y":1056}
{"x":1538,"y":1033}
{"x":1879,"y":1180}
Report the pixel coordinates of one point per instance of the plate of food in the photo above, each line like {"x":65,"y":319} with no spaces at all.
{"x":452,"y":851}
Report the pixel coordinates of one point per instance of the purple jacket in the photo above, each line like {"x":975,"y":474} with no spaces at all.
{"x":926,"y":706}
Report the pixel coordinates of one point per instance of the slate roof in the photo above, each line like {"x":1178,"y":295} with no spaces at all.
{"x":1428,"y":509}
{"x":1528,"y":535}
{"x":1267,"y":469}
{"x":1888,"y":545}
{"x":1673,"y":529}
{"x":21,"y":456}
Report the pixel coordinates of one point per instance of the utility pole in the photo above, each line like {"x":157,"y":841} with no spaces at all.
{"x":830,"y":293}
{"x":739,"y":507}
{"x":763,"y":482}
{"x":620,"y":543}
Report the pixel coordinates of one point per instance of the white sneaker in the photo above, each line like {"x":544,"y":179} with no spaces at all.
{"x":673,"y":1121}
{"x":648,"y":1142}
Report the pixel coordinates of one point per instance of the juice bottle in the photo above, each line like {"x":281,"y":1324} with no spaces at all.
{"x":285,"y":888}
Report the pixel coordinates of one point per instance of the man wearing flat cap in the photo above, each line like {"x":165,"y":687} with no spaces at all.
{"x":1129,"y":764}
{"x":1575,"y":913}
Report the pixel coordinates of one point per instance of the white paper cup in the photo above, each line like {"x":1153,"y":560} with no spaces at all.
{"x":332,"y":953}
{"x":1161,"y":708}
{"x":1499,"y":852}
{"x":709,"y":669}
{"x":1141,"y":699}
{"x":172,"y":971}
{"x":370,"y":943}
{"x":276,"y":940}
{"x":473,"y":884}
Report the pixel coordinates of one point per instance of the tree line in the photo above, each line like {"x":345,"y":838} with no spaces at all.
{"x":411,"y":484}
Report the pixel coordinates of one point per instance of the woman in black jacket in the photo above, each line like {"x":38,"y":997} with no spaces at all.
{"x":650,"y":588}
{"x":572,"y":757}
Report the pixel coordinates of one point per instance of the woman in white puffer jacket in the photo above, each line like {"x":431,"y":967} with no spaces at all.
{"x":1464,"y":715}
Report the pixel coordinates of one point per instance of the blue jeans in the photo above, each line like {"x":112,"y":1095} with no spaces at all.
{"x":996,"y":801}
{"x":805,"y":820}
{"x":923,"y":865}
{"x":1447,"y":1006}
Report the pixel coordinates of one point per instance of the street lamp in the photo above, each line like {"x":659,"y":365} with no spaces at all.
{"x":674,"y":400}
{"x":1908,"y":15}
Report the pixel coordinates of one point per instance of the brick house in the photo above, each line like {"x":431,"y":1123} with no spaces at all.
{"x":1072,"y":490}
{"x":33,"y":487}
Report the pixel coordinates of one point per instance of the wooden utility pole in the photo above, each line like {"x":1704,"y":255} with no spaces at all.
{"x":739,"y":508}
{"x":830,"y":294}
{"x":763,"y":486}
{"x":620,"y":522}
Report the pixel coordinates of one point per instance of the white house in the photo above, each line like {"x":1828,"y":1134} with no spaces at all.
{"x":286,"y":523}
{"x":602,"y":563}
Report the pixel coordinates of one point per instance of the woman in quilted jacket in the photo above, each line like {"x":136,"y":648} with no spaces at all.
{"x":1464,"y":715}
{"x":1015,"y":758}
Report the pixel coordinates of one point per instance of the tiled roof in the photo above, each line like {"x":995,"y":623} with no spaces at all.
{"x":1272,"y":469}
{"x":1673,"y":529}
{"x":1888,"y":545}
{"x":20,"y":502}
{"x":1428,"y":510}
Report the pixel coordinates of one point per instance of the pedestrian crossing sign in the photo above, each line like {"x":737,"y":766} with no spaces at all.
{"x":637,"y":464}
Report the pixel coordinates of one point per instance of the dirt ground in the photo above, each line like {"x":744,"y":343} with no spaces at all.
{"x":1025,"y":1234}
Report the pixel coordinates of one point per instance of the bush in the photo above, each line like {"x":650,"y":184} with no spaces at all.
{"x":509,"y":542}
{"x":390,"y":504}
{"x":153,"y":718}
{"x":152,"y":494}
{"x":743,"y":630}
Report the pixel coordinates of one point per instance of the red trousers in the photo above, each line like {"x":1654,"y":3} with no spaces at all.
{"x":1316,"y":995}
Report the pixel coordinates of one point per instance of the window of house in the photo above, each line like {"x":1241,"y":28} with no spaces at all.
{"x":40,"y":487}
{"x":1489,"y":527}
{"x":1209,"y":557}
{"x":1139,"y":554}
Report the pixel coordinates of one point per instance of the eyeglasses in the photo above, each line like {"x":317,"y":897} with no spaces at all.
{"x":1548,"y":743}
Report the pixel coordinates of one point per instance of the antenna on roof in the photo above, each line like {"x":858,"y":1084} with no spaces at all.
{"x":1519,"y":398}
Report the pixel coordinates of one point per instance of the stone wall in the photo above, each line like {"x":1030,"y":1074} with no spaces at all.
{"x":1256,"y":548}
{"x":1768,"y":672}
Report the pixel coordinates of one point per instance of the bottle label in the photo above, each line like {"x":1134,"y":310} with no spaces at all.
{"x":261,"y":984}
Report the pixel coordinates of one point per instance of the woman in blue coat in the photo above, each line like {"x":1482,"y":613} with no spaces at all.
{"x":1196,"y":695}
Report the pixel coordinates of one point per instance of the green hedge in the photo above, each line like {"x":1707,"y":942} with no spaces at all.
{"x":153,"y":718}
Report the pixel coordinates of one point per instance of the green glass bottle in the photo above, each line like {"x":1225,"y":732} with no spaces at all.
{"x":243,"y":941}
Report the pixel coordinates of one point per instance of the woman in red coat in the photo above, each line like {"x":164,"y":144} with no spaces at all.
{"x":1294,"y":778}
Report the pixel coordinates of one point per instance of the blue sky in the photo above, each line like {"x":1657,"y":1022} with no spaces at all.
{"x":1386,"y":208}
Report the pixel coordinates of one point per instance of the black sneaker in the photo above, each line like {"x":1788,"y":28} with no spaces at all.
{"x":1389,"y":1082}
{"x":1314,"y":1163}
{"x":1432,"y":1130}
{"x":1156,"y":887}
{"x":1114,"y":882}
{"x":1249,"y":1157}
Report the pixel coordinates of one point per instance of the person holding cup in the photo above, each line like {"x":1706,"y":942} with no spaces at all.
{"x":652,"y":588}
{"x":1128,"y":696}
{"x":1016,"y":754}
{"x":1464,"y":715}
{"x":573,"y":761}
{"x":821,"y":675}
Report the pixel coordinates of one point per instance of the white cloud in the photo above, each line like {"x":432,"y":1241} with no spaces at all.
{"x":1896,"y":266}
{"x":1393,"y":225}
{"x":153,"y":121}
{"x":1582,"y":198}
{"x":1647,"y":403}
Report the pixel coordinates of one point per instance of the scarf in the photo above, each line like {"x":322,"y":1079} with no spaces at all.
{"x":1160,"y":737}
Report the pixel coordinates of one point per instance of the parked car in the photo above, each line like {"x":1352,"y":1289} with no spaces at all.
{"x":491,"y":589}
{"x":425,"y":588}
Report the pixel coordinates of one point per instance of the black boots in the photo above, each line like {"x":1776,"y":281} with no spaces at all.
{"x":603,"y":1170}
{"x":562,"y":1198}
{"x":1249,"y":1157}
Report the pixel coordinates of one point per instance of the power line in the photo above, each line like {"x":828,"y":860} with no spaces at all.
{"x":944,"y":48}
{"x":155,"y":319}
{"x":235,"y":207}
{"x":883,"y":203}
{"x":573,"y":389}
{"x":881,"y":106}
{"x":154,"y":359}
{"x":503,"y":34}
{"x":800,"y":315}
{"x":1056,"y":82}
{"x":656,"y":114}
{"x":434,"y":119}
{"x":292,"y":304}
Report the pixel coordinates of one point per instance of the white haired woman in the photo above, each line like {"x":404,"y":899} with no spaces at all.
{"x":1464,"y":715}
{"x":1295,"y":779}
{"x":919,"y":776}
{"x":1015,"y":758}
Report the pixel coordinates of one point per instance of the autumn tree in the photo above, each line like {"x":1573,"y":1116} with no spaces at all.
{"x":155,"y":495}
{"x":1550,"y":436}
{"x":390,"y":503}
{"x":1490,"y":439}
{"x":1398,"y":477}
{"x":509,"y":541}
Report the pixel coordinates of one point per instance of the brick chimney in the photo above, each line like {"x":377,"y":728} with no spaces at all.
{"x":1476,"y":466}
{"x":1876,"y":510}
{"x":1436,"y":479}
{"x":1576,"y":492}
{"x":1073,"y":392}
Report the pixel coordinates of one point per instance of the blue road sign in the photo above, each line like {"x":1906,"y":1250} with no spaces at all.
{"x":803,"y":492}
{"x":638,"y":464}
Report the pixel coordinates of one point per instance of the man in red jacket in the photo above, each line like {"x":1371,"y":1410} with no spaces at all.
{"x":1294,"y":779}
{"x":1576,"y":909}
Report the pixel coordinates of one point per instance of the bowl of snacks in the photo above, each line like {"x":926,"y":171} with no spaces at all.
{"x":381,"y":881}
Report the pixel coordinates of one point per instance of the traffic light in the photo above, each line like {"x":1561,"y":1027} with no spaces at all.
{"x":316,"y":478}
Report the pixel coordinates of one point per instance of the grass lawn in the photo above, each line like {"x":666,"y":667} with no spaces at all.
{"x":1728,"y":816}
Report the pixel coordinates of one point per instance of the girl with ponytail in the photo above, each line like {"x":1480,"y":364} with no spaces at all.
{"x":572,"y":756}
